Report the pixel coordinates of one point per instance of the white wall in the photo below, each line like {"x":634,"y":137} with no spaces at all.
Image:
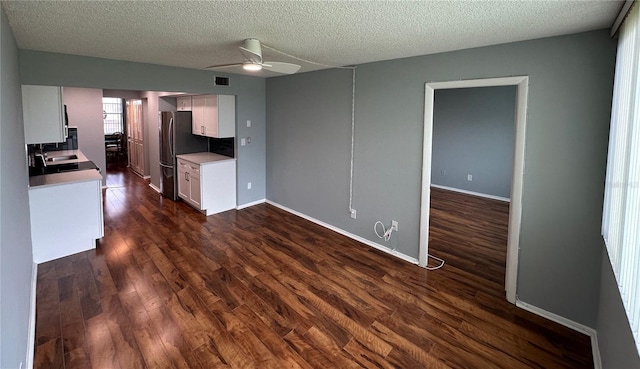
{"x":84,"y":106}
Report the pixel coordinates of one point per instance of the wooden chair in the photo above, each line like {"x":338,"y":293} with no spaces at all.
{"x":114,"y":146}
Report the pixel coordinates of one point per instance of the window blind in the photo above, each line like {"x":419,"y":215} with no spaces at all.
{"x":621,"y":211}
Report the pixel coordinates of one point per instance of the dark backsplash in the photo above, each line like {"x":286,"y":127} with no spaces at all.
{"x":223,"y":146}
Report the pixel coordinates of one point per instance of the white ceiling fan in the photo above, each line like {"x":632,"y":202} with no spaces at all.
{"x":252,"y":52}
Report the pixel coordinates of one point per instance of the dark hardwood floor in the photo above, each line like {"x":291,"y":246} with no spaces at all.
{"x":168,"y":287}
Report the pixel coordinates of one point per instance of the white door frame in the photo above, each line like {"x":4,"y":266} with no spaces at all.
{"x":515,"y":208}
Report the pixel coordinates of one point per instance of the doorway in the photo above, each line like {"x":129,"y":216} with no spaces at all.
{"x":515,"y":208}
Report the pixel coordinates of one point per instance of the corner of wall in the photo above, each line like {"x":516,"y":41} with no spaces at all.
{"x":32,"y":318}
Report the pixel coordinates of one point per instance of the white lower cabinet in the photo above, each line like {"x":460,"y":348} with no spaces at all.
{"x":65,"y":218}
{"x":208,"y":186}
{"x":189,"y":183}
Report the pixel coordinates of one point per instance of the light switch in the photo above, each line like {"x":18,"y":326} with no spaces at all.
{"x":243,"y":142}
{"x":248,"y":123}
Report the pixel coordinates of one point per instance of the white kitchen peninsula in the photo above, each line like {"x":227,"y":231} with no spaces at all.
{"x":66,"y":212}
{"x":207,"y":181}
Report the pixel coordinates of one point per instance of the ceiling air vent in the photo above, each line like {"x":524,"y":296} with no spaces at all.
{"x":220,"y":81}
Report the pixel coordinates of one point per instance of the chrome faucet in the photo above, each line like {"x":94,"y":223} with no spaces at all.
{"x":42,"y":155}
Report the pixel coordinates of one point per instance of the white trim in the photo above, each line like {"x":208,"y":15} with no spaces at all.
{"x":347,"y":234}
{"x":595,"y":351}
{"x":146,"y":177}
{"x":621,"y":16}
{"x":515,"y":208}
{"x":153,"y":187}
{"x":249,"y":204}
{"x":482,"y":82}
{"x":487,"y":196}
{"x":31,"y":339}
{"x":425,"y":196}
{"x":592,"y":333}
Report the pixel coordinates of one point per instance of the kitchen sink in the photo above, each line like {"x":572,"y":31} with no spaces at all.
{"x":63,"y":157}
{"x":62,"y":168}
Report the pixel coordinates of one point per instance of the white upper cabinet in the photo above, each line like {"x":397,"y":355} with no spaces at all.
{"x":214,"y":115}
{"x":226,"y":116}
{"x":183,"y":103}
{"x":43,"y":114}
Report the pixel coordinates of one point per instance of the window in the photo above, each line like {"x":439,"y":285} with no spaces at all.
{"x":112,"y":115}
{"x":621,"y":212}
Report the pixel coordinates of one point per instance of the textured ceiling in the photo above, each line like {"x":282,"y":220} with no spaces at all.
{"x":195,"y":34}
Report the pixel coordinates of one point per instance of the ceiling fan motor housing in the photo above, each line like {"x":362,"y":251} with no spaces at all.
{"x":252,"y":45}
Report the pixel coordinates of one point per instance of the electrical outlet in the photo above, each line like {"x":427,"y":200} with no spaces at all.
{"x":469,"y":177}
{"x":394,"y":225}
{"x":243,"y":142}
{"x":353,"y":213}
{"x":248,"y":185}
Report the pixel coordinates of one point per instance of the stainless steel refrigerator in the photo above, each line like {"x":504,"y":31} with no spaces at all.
{"x":175,"y":138}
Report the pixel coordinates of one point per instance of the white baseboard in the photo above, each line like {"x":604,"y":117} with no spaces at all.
{"x":146,"y":177}
{"x":347,"y":234}
{"x":31,"y":339}
{"x":247,"y":205}
{"x":153,"y":187}
{"x":499,"y":198}
{"x":595,"y":349}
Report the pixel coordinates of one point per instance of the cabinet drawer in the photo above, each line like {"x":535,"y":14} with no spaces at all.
{"x":183,"y":164}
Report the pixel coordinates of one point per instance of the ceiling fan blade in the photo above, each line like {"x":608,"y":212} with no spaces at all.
{"x":279,"y":67}
{"x":223,"y":66}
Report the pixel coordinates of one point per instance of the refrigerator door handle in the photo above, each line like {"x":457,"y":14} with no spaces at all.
{"x":171,"y":133}
{"x":166,"y":166}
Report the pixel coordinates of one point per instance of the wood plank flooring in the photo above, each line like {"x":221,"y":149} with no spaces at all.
{"x":168,"y":287}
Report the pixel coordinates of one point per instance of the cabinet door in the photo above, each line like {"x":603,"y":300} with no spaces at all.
{"x":43,"y":114}
{"x":226,"y":116}
{"x":211,"y":115}
{"x":183,"y":181}
{"x":197,"y":115}
{"x":194,"y":185}
{"x":183,"y":103}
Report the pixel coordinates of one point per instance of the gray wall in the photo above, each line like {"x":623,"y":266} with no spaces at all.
{"x":84,"y":106}
{"x":571,"y":79}
{"x":122,"y":94}
{"x":16,"y":259}
{"x":309,"y":136}
{"x":473,"y":133}
{"x":76,"y":71}
{"x":617,"y":347}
